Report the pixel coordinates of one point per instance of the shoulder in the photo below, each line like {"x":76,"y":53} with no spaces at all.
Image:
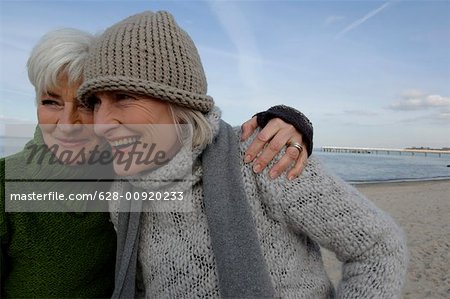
{"x":13,"y":166}
{"x":313,"y":173}
{"x":12,"y":162}
{"x":269,"y":190}
{"x":315,"y":181}
{"x":2,"y":169}
{"x":2,"y":185}
{"x":3,"y":220}
{"x":10,"y":166}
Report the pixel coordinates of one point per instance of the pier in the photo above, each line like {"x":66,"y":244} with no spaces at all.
{"x":368,"y":150}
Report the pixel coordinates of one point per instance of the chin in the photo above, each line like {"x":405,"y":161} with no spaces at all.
{"x":121,"y":171}
{"x":127,"y":170}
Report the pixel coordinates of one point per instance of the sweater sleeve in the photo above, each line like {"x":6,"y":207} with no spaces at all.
{"x":367,"y":240}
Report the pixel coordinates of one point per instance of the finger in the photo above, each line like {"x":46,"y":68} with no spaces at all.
{"x":262,"y":138}
{"x":287,"y":160}
{"x":273,"y":148}
{"x":299,"y":165}
{"x":248,"y":128}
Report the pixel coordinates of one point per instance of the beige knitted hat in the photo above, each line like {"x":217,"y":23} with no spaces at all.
{"x":149,"y":54}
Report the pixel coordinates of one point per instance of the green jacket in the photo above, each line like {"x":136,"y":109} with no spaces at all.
{"x":53,"y":255}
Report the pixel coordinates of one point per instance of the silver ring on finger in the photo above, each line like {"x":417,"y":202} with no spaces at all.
{"x":296,"y":145}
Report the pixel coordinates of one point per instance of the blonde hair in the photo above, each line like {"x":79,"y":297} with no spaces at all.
{"x":202,"y":131}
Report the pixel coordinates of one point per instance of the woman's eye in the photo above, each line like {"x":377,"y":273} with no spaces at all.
{"x":50,"y":102}
{"x":124,"y":96}
{"x":92,"y":103}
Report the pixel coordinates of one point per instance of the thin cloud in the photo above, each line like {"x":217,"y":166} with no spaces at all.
{"x":440,"y":118}
{"x":224,"y":53}
{"x":419,"y":101}
{"x":333,"y":20}
{"x":361,"y":21}
{"x":217,"y":52}
{"x":235,"y":24}
{"x":445,"y":115}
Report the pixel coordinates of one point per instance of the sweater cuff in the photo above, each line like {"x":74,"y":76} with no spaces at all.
{"x":292,"y":116}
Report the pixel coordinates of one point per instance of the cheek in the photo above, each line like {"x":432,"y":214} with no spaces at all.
{"x":87,"y":118}
{"x":164,"y":113}
{"x":46,"y":115}
{"x":47,"y":120}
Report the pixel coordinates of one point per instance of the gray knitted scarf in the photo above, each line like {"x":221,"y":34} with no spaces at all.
{"x":241,"y":267}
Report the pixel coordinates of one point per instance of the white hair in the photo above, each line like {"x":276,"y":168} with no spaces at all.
{"x":59,"y":52}
{"x":202,"y":131}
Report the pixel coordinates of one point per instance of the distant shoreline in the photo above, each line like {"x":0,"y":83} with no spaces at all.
{"x":359,"y":183}
{"x":443,"y":149}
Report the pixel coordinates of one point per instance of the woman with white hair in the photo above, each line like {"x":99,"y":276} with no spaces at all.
{"x":198,"y":222}
{"x":56,"y":255}
{"x":48,"y":255}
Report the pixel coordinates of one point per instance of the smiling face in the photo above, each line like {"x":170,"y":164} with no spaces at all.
{"x":66,"y":126}
{"x":140,"y":130}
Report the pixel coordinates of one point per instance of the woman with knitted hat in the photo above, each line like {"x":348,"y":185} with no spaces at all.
{"x":45,"y":255}
{"x":209,"y":226}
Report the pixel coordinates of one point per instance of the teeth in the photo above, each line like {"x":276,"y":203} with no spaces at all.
{"x":124,"y":141}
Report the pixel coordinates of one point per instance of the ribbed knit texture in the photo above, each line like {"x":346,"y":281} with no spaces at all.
{"x":53,"y":255}
{"x":240,"y":265}
{"x":149,"y":54}
{"x":292,"y":219}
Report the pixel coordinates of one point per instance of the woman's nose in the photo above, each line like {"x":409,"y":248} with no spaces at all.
{"x":69,"y":120}
{"x":105,"y":118}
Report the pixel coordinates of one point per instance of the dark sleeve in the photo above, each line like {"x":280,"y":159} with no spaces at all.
{"x":293,"y":117}
{"x":3,"y":227}
{"x":3,"y":269}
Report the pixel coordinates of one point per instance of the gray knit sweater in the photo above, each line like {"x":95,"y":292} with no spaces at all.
{"x":292,"y":219}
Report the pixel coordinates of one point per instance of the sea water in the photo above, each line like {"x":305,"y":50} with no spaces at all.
{"x":360,"y":168}
{"x":353,"y":168}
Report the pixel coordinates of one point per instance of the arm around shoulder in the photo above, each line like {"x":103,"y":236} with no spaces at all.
{"x":338,"y":217}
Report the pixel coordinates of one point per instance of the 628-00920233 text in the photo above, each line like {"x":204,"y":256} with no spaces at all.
{"x":174,"y":195}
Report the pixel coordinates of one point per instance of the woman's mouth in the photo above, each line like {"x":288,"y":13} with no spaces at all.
{"x":123,"y":143}
{"x":70,"y":143}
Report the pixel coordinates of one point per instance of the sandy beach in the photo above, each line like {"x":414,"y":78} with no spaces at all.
{"x":422,"y":209}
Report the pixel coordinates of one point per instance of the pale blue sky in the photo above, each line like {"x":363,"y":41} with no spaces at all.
{"x":367,"y":73}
